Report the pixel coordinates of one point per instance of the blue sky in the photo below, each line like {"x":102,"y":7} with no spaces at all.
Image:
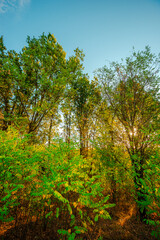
{"x":106,"y":30}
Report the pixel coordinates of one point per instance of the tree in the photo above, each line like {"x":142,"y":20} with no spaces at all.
{"x":85,"y":98}
{"x":43,"y":64}
{"x":131,"y":90}
{"x":32,"y":82}
{"x":9,"y":74}
{"x":81,"y":96}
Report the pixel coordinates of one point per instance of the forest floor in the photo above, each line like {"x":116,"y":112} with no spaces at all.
{"x":124,"y":225}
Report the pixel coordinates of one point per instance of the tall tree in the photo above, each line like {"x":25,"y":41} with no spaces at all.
{"x":81,"y":98}
{"x":86,"y":96}
{"x":32,"y":82}
{"x":43,"y":63}
{"x":131,"y":90}
{"x":74,"y":69}
{"x":9,"y":74}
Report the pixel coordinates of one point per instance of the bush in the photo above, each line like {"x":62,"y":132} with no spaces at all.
{"x":52,"y":184}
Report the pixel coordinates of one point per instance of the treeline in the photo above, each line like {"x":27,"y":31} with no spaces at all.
{"x":114,"y":119}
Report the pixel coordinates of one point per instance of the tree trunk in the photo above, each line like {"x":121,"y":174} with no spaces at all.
{"x":113,"y":188}
{"x":83,"y":143}
{"x":68,"y":128}
{"x":50,"y":130}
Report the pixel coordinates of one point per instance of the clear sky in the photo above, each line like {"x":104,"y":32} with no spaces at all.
{"x":106,"y":30}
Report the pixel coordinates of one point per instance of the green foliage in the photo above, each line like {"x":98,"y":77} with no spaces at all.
{"x":131,"y":94}
{"x":12,"y":171}
{"x":119,"y":111}
{"x":152,"y":176}
{"x":33,"y":82}
{"x":50,"y":181}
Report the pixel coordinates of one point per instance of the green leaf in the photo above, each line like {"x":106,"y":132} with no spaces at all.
{"x":57,"y":212}
{"x":62,"y":231}
{"x":80,"y":229}
{"x":96,"y":218}
{"x":72,"y":236}
{"x":60,"y":197}
{"x":48,"y":214}
{"x":69,"y":209}
{"x":6,"y":197}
